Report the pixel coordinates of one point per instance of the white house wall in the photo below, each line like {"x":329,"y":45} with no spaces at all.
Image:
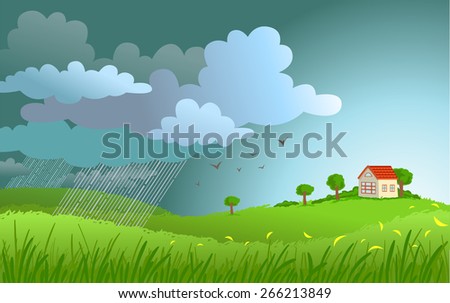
{"x":388,"y":193}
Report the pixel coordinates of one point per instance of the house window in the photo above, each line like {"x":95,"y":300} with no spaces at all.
{"x":384,"y":188}
{"x":392,"y":187}
{"x":368,"y":174}
{"x":368,"y":188}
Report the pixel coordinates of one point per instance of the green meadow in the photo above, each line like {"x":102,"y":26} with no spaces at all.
{"x":350,"y":240}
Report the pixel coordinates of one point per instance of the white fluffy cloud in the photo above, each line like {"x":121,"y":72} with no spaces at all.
{"x":244,"y":77}
{"x":205,"y":120}
{"x":70,"y":85}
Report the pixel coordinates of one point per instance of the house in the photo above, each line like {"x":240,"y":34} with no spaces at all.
{"x":378,"y":182}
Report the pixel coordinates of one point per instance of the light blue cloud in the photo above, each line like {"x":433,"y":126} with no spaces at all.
{"x":244,"y":77}
{"x":70,"y":85}
{"x":205,"y":121}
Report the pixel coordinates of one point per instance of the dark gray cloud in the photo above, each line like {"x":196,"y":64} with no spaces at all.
{"x":185,"y":65}
{"x":39,"y":40}
{"x":10,"y":169}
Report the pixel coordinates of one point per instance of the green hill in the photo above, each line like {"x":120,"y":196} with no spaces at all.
{"x":353,"y":240}
{"x":39,"y":199}
{"x":328,"y":219}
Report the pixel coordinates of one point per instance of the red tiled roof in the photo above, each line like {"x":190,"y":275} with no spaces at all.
{"x":381,"y":172}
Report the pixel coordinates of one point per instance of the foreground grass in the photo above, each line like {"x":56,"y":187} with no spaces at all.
{"x":36,"y":247}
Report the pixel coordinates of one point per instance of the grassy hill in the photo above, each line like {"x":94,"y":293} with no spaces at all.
{"x":40,"y":199}
{"x":327,"y":219}
{"x":353,"y":240}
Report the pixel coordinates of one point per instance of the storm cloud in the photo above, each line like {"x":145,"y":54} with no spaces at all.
{"x":185,"y":65}
{"x":38,"y":40}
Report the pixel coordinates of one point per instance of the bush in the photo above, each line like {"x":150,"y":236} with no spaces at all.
{"x":286,"y":203}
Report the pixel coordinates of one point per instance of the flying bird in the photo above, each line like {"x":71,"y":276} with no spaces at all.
{"x":239,"y":169}
{"x":262,"y":167}
{"x":282,"y":141}
{"x":216,"y":166}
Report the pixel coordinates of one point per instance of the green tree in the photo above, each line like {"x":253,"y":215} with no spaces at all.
{"x":336,"y":182}
{"x":304,"y":190}
{"x":404,"y":177}
{"x":231,"y":201}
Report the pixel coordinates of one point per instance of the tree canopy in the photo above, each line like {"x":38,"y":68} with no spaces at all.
{"x":336,"y":181}
{"x":232,"y":200}
{"x":304,"y":188}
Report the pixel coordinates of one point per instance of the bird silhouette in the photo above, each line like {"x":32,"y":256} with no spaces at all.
{"x":216,"y":166}
{"x":198,"y":183}
{"x":239,"y":169}
{"x":282,"y":141}
{"x":262,"y":167}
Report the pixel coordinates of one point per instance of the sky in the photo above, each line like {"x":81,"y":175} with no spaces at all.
{"x":387,"y":62}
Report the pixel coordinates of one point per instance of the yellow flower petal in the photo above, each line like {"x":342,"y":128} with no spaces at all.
{"x":439,"y":222}
{"x":338,"y":239}
{"x":172,"y":242}
{"x":200,"y":244}
{"x":381,"y":225}
{"x":363,"y":240}
{"x":246,"y":243}
{"x":411,"y":207}
{"x":269,"y":234}
{"x":435,"y":205}
{"x":415,"y":246}
{"x":229,"y":238}
{"x":306,"y":235}
{"x":397,"y":232}
{"x":427,"y":233}
{"x":375,"y":247}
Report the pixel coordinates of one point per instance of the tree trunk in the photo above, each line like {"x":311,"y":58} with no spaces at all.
{"x":231,"y":209}
{"x":304,"y":198}
{"x":401,"y":188}
{"x":337,"y":193}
